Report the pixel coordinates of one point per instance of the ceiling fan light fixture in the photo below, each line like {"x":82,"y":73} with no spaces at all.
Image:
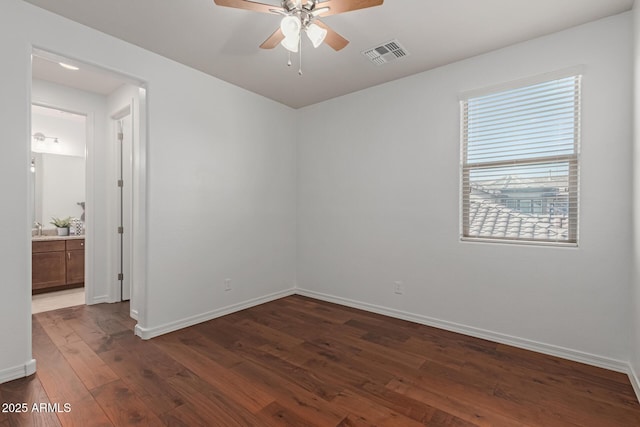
{"x":316,"y":34}
{"x":290,"y":26}
{"x":291,"y":43}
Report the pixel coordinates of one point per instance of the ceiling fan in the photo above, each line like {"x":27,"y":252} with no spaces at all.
{"x":302,"y":16}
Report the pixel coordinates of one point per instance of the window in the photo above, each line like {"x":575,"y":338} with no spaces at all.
{"x":520,"y":163}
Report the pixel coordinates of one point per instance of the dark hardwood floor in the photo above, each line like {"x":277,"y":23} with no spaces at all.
{"x":301,"y":362}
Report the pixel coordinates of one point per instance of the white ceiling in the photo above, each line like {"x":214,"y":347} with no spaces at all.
{"x":91,"y":79}
{"x":223,"y":42}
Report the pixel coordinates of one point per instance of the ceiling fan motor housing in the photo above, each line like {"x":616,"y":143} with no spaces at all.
{"x":292,"y":5}
{"x":301,"y":9}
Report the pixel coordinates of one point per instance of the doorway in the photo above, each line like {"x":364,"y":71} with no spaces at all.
{"x":58,"y":177}
{"x":100,"y":94}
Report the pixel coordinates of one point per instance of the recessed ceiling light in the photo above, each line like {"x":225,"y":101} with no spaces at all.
{"x":68,"y":67}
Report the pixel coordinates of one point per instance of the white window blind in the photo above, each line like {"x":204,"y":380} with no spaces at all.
{"x":520,"y":163}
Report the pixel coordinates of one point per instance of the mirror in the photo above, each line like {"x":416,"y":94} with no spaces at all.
{"x":59,"y":187}
{"x":57,"y":164}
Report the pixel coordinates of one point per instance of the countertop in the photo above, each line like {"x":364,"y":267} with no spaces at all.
{"x":55,"y":237}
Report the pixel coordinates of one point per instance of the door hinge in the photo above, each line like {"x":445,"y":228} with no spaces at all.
{"x":120,"y":230}
{"x":120,"y":183}
{"x":120,"y":276}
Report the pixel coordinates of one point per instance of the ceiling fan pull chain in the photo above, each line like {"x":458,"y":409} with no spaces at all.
{"x":300,"y":56}
{"x":289,"y":60}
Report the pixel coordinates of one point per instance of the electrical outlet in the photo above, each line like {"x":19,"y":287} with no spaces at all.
{"x":227,"y":284}
{"x":398,"y":287}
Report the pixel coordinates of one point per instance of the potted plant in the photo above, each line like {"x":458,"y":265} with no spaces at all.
{"x":62,"y":224}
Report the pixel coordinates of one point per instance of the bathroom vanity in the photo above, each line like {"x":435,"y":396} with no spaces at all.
{"x":57,"y":263}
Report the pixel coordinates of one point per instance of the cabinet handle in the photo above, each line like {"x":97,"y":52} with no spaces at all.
{"x":69,"y":255}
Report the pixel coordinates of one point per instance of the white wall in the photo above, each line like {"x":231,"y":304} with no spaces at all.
{"x":220,"y":182}
{"x":635,"y":262}
{"x":15,"y":262}
{"x":378,"y":198}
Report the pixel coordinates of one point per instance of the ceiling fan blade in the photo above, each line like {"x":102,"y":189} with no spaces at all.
{"x":273,"y":40}
{"x":333,"y":39}
{"x":341,"y":6}
{"x":319,"y":11}
{"x":249,"y":5}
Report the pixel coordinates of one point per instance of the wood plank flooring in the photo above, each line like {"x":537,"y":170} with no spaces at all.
{"x":301,"y":362}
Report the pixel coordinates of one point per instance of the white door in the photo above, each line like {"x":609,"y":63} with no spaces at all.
{"x":124,"y":136}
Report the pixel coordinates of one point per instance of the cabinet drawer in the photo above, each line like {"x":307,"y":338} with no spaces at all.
{"x":75,"y":244}
{"x":48,"y":246}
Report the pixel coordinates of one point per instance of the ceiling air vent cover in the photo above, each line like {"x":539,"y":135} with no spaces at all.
{"x":386,"y":52}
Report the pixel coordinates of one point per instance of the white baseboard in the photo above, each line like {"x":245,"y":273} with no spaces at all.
{"x":552,"y":350}
{"x":20,"y":371}
{"x":134,"y":314}
{"x":635,"y":381}
{"x":148,"y":333}
{"x":30,"y":367}
{"x":100,"y":300}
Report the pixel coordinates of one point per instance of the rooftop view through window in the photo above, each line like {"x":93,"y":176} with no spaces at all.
{"x":520,"y":169}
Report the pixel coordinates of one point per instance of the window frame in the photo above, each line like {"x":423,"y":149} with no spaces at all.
{"x":572,"y":160}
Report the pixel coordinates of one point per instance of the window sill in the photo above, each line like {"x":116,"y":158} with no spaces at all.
{"x":518,"y":242}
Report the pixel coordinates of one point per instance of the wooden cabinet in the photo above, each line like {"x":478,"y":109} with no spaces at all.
{"x":48,"y":264}
{"x":75,"y":261}
{"x":57,"y":264}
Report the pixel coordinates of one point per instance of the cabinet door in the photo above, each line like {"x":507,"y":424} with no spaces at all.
{"x":75,"y":267}
{"x":48,"y":269}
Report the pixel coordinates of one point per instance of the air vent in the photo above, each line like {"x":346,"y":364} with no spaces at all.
{"x":386,"y":52}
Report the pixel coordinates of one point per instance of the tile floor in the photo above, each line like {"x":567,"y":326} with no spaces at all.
{"x":55,"y":300}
